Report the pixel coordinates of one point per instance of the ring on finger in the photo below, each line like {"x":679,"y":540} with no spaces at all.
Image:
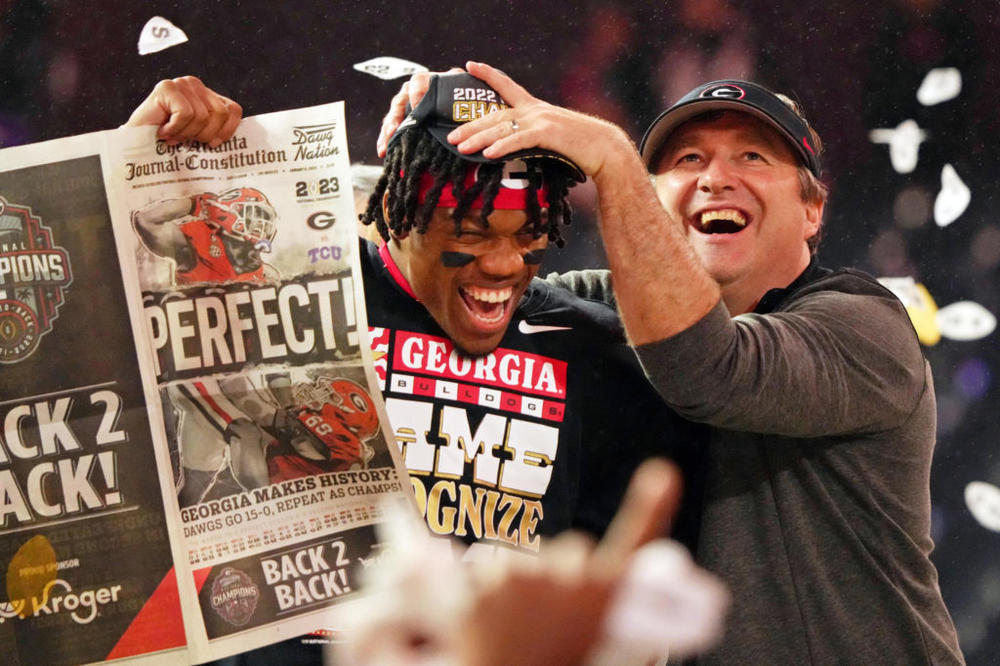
{"x":514,"y":126}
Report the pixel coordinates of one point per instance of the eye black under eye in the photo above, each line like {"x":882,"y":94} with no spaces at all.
{"x":456,"y":259}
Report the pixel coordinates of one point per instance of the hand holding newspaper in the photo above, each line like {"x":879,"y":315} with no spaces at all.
{"x":183,"y":326}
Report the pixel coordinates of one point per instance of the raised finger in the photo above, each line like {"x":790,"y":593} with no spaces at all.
{"x":649,"y":505}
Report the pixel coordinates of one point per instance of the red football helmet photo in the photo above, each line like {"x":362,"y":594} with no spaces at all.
{"x":349,"y":402}
{"x":246,"y":213}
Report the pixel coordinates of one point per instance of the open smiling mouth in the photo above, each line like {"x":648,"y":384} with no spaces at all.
{"x":488,"y":306}
{"x":728,"y":221}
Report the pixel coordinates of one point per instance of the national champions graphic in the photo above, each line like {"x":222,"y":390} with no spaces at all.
{"x":34,"y":274}
{"x":234,"y":596}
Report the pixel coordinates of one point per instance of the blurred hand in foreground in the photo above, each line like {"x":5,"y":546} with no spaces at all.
{"x":577,"y":601}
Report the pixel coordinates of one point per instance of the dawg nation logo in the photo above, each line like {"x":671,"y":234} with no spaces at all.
{"x":315,"y":141}
{"x":234,"y":596}
{"x":33,"y":276}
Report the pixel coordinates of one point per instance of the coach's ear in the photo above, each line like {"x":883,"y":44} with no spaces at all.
{"x":385,"y":216}
{"x":814,"y":218}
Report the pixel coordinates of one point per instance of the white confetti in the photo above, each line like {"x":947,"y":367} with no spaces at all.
{"x":965,"y":320}
{"x":159,"y":34}
{"x":940,"y":85}
{"x":904,"y":144}
{"x":667,"y":604}
{"x":905,"y":289}
{"x":953,"y":198}
{"x":415,"y":590}
{"x":387,"y":67}
{"x":983,"y":500}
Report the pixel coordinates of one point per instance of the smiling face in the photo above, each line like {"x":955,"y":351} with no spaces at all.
{"x":471,"y":282}
{"x":734,"y":183}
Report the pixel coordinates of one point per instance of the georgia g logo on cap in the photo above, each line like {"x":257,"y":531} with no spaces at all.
{"x":725,"y":91}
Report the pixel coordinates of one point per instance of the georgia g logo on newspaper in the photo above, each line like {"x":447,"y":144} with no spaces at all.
{"x":34,"y":274}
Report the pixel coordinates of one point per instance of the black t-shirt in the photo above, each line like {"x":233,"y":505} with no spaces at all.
{"x":541,"y":435}
{"x":536,"y":437}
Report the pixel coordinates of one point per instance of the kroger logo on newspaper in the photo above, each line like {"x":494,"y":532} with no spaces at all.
{"x":58,"y":597}
{"x":315,"y":141}
{"x":34,"y":274}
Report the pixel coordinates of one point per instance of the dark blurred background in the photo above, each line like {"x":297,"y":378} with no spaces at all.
{"x":72,"y":67}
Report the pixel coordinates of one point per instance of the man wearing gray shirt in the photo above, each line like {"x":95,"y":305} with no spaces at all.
{"x":817,"y":506}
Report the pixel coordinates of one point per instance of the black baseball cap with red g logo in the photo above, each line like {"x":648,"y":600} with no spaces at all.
{"x":732,"y":95}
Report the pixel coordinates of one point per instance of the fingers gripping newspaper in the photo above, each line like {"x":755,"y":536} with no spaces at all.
{"x":245,"y":318}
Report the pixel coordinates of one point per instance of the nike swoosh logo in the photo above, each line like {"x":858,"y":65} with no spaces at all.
{"x":530,"y":329}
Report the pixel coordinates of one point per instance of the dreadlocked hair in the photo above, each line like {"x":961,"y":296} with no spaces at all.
{"x":418,"y":152}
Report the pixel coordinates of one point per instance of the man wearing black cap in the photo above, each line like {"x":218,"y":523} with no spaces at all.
{"x":817,"y":507}
{"x":519,"y":408}
{"x":505,"y":392}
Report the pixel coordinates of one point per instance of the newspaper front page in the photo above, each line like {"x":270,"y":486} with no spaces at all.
{"x":83,"y":537}
{"x":192,"y":425}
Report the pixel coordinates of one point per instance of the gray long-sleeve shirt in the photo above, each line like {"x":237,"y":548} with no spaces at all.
{"x":817,"y":505}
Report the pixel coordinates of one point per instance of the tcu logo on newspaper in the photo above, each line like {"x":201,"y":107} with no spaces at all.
{"x":34,"y":273}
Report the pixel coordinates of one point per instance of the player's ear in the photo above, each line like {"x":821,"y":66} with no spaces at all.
{"x":385,"y":216}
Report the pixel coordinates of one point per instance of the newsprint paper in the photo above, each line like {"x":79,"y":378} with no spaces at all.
{"x":193,"y":453}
